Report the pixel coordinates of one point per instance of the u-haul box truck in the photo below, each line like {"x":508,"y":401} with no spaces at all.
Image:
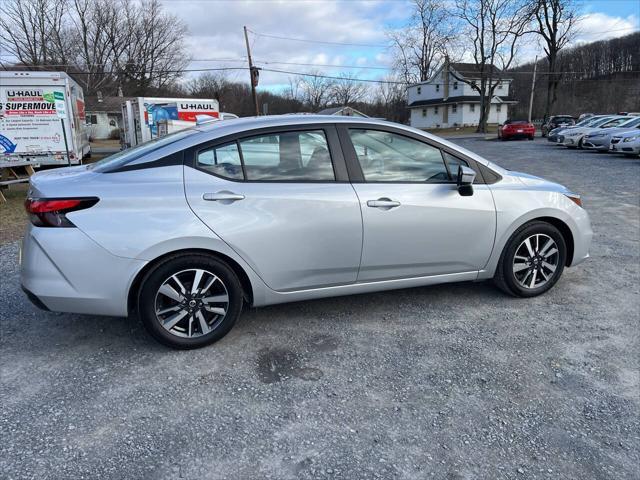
{"x":149,"y":117}
{"x":34,"y":106}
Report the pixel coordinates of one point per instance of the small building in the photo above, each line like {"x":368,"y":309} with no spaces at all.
{"x":447,"y":99}
{"x":104,"y":116}
{"x":344,"y":111}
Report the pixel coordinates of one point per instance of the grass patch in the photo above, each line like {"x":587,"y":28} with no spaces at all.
{"x":13,"y":218}
{"x":453,"y":131}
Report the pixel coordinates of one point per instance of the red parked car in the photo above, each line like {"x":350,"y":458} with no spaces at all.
{"x":516,"y":129}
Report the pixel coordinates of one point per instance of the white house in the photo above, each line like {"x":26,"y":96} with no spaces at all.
{"x":446,"y":101}
{"x":104,"y":116}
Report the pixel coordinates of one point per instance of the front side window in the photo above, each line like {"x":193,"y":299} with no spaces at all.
{"x":287,"y":156}
{"x":223,"y":161}
{"x":388,"y":157}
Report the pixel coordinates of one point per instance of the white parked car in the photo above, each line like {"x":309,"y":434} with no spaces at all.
{"x":574,"y":137}
{"x":627,"y":143}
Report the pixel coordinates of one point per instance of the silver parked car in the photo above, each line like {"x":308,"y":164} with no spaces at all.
{"x":574,"y":137}
{"x":186,"y":229}
{"x":600,"y":139}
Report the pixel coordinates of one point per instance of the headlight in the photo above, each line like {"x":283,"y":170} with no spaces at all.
{"x":631,"y":139}
{"x":574,"y":197}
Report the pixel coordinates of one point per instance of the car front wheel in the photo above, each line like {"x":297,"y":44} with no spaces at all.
{"x":190,"y":300}
{"x":532,"y":261}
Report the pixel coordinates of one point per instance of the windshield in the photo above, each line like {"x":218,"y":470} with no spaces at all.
{"x":130,"y":154}
{"x":587,"y":121}
{"x":630,"y":123}
{"x":596,"y":122}
{"x":612,"y":122}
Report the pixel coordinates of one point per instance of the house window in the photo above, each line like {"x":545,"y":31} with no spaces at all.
{"x":499,"y":85}
{"x":419,"y":90}
{"x":435,"y":110}
{"x":424,"y":112}
{"x":472,"y":107}
{"x":498,"y":107}
{"x":455,"y":85}
{"x":454,"y":108}
{"x":93,"y":119}
{"x":437,"y":87}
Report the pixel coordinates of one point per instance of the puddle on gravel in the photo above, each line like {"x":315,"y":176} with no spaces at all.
{"x":276,"y":365}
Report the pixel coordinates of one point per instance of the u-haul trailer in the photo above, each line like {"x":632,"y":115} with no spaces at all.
{"x":148,"y":117}
{"x":34,"y":106}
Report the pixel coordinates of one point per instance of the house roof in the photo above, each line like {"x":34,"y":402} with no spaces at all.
{"x":458,"y":99}
{"x":108,"y":104}
{"x":346,"y":111}
{"x":466,"y":70}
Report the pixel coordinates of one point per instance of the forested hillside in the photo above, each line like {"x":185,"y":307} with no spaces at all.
{"x":599,"y":77}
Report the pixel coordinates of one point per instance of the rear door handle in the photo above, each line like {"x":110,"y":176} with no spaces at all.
{"x":384,"y":203}
{"x":224,"y":197}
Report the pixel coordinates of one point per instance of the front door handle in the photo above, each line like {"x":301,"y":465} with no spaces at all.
{"x":384,"y":203}
{"x":224,"y":197}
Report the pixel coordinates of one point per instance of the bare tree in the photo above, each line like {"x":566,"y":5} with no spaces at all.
{"x":347,"y":89}
{"x":493,"y":29}
{"x":555,"y":20}
{"x":420,"y":46}
{"x":31,"y":30}
{"x":316,"y":90}
{"x":106,"y":43}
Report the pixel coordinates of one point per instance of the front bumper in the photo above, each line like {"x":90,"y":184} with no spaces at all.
{"x":63,"y":270}
{"x":596,"y":143}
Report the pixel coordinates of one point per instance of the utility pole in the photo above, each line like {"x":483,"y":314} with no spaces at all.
{"x":253,"y":73}
{"x":533,"y":86}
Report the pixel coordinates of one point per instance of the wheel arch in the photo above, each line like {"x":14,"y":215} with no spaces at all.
{"x":245,"y":282}
{"x":565,"y":231}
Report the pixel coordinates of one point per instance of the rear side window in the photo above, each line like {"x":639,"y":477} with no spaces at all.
{"x":223,"y":161}
{"x":287,"y":156}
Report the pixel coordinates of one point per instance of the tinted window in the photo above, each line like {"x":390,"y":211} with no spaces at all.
{"x":223,"y":161}
{"x":288,"y":156}
{"x":388,"y":157}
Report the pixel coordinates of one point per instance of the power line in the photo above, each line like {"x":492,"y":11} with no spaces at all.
{"x":323,"y":42}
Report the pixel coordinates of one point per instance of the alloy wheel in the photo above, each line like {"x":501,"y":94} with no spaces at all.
{"x":191,"y":303}
{"x":535,"y":261}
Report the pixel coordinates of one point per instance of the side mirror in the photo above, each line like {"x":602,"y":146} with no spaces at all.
{"x":466,"y":176}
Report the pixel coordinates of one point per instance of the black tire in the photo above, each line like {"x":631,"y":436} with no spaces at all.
{"x":154,"y":279}
{"x":531,"y":137}
{"x":505,"y":278}
{"x":580,"y":144}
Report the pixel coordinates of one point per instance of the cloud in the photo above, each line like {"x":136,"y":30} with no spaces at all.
{"x":596,"y":26}
{"x":216,"y":31}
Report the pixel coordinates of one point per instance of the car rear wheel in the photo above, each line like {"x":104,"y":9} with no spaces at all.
{"x":189,"y":301}
{"x":532,"y":261}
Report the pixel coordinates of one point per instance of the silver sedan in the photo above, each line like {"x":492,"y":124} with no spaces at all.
{"x":187,"y":229}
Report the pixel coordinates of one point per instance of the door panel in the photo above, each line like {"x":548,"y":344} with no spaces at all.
{"x":294,"y":235}
{"x":433,"y":231}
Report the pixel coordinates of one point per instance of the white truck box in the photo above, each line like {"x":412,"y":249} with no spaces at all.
{"x":142,"y":116}
{"x":30,"y":128}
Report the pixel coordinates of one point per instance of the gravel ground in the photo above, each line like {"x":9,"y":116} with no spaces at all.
{"x":450,"y":382}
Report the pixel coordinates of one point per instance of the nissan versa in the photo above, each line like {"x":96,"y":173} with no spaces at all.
{"x":186,"y":229}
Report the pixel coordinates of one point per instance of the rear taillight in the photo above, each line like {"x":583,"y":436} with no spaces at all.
{"x":51,"y":212}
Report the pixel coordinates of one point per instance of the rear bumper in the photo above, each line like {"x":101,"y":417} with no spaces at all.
{"x":63,"y":270}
